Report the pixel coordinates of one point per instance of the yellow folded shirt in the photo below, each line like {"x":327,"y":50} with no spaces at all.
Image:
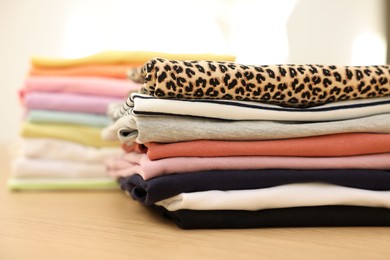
{"x":85,"y":135}
{"x":136,"y":58}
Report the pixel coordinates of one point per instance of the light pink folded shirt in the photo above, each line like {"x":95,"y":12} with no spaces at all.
{"x":137,"y":163}
{"x":98,"y":86}
{"x":68,"y":102}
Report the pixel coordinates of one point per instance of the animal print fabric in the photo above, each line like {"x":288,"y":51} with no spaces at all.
{"x":289,"y":85}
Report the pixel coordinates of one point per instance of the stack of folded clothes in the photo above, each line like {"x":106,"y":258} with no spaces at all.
{"x":65,"y":103}
{"x":228,"y":145}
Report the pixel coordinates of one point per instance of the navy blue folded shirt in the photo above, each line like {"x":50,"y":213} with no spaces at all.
{"x":150,"y":191}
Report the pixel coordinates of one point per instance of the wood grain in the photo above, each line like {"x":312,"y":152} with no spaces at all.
{"x":109,"y":225}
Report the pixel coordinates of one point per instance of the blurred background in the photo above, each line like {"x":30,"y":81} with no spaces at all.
{"x":341,"y":32}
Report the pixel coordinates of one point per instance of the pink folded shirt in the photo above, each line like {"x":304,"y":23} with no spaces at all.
{"x":68,"y":102}
{"x":98,"y":86}
{"x":136,"y":163}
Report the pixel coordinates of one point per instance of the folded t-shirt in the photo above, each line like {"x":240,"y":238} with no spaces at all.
{"x":55,"y":184}
{"x":283,"y":196}
{"x":346,"y":144}
{"x":23,"y":167}
{"x":131,"y":163}
{"x":169,"y":129}
{"x":68,"y":102}
{"x":145,"y":105}
{"x":98,"y":86}
{"x":57,"y":149}
{"x":134,"y":58}
{"x":64,"y":117}
{"x":106,"y":71}
{"x":163,"y":187}
{"x":291,"y":85}
{"x":317,"y":216}
{"x":85,"y":135}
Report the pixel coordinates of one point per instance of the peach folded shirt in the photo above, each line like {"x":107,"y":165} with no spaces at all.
{"x":346,"y":144}
{"x":135,"y":58}
{"x":107,"y":71}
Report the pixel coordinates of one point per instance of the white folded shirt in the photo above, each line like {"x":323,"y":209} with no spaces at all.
{"x":55,"y":149}
{"x":143,"y":105}
{"x":22,"y":167}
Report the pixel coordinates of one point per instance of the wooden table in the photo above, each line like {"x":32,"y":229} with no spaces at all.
{"x":109,"y":225}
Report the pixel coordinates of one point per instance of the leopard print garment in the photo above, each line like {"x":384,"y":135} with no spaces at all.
{"x":134,"y":74}
{"x":289,"y":85}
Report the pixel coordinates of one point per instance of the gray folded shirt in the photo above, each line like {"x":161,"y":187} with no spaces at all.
{"x":167,"y":129}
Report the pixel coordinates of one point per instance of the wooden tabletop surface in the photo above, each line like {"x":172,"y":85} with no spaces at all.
{"x":109,"y":225}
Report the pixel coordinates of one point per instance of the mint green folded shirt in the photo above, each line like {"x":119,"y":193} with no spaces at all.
{"x":62,"y":117}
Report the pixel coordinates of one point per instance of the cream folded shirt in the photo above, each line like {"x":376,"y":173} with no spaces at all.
{"x":36,"y":168}
{"x":284,"y":196}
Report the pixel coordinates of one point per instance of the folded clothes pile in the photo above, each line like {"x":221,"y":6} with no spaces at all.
{"x":227,"y":145}
{"x":65,"y":103}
